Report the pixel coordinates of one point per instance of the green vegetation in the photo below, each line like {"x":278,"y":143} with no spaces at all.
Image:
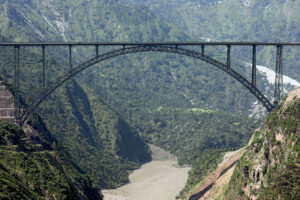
{"x":32,"y":168}
{"x":205,"y":163}
{"x":271,"y":163}
{"x":253,"y":20}
{"x":173,"y":128}
{"x":101,"y":143}
{"x":80,"y":114}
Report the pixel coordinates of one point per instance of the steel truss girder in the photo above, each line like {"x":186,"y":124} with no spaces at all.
{"x":147,"y":48}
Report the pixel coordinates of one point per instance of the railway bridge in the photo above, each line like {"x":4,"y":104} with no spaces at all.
{"x":122,"y":48}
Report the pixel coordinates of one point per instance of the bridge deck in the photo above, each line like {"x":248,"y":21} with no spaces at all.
{"x":148,"y":43}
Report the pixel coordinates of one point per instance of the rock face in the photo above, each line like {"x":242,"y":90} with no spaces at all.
{"x":270,"y":167}
{"x":7,"y":105}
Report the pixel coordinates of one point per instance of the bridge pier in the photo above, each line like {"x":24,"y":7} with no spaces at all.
{"x":97,"y":50}
{"x":44,"y":68}
{"x":202,"y":49}
{"x":228,"y":56}
{"x":70,"y":57}
{"x":17,"y":82}
{"x":278,"y":76}
{"x":254,"y":65}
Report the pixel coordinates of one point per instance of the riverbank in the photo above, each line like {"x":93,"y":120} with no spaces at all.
{"x":160,"y":179}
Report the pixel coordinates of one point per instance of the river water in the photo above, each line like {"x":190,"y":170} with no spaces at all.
{"x":160,"y":179}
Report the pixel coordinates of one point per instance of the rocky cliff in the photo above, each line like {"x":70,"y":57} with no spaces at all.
{"x":270,"y":167}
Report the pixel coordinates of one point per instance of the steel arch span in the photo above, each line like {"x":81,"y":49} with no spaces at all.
{"x":147,"y":48}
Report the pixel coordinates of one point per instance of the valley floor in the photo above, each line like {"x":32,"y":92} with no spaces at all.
{"x":160,"y":179}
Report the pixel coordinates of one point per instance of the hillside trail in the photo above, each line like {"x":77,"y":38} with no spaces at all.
{"x":219,"y":177}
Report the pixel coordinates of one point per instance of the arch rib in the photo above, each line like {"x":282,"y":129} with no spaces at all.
{"x":146,"y":48}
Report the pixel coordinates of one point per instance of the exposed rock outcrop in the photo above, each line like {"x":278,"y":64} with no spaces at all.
{"x":270,"y":167}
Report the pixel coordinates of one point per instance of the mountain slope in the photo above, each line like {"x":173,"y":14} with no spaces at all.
{"x":98,"y":140}
{"x":101,"y":142}
{"x":210,"y":187}
{"x":253,"y":20}
{"x":36,"y":168}
{"x":269,"y":169}
{"x":189,"y":133}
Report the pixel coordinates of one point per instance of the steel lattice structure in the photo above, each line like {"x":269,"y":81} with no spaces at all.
{"x":129,"y":48}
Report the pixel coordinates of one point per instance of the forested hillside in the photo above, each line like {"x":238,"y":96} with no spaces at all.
{"x":98,"y":140}
{"x":252,"y":20}
{"x":35,"y":166}
{"x":202,"y":130}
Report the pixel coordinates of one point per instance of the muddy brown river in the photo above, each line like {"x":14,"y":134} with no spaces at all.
{"x":158,"y":179}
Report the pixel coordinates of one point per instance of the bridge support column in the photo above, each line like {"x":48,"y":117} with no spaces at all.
{"x":17,"y":82}
{"x":70,"y":56}
{"x":202,"y":49}
{"x":44,"y":68}
{"x":97,"y":50}
{"x":228,"y":56}
{"x":278,"y":76}
{"x":254,"y":65}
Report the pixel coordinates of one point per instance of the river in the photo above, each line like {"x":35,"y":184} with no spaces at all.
{"x":160,"y":179}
